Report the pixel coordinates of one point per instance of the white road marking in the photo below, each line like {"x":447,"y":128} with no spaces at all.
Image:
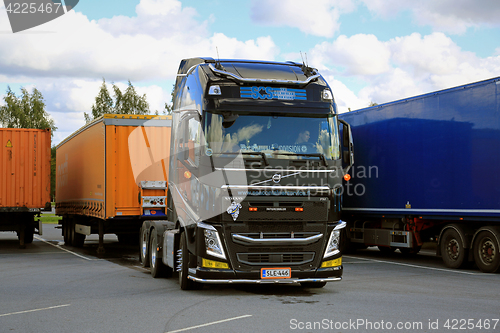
{"x":27,"y":311}
{"x":63,"y":249}
{"x":208,"y":324}
{"x":415,"y":266}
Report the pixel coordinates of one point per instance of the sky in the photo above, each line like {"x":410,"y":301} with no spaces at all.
{"x":367,"y":50}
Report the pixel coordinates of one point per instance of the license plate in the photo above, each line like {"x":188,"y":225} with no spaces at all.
{"x":276,"y":273}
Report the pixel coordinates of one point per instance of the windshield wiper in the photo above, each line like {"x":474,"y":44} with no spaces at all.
{"x":261,"y":154}
{"x":318,"y":155}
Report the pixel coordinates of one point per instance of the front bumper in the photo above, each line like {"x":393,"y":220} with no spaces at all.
{"x":228,"y":276}
{"x":262,"y":281}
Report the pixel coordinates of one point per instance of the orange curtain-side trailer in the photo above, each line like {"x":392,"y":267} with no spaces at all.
{"x":99,"y":172}
{"x":24,"y":180}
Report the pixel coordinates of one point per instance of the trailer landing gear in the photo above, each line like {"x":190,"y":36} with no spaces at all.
{"x":100,"y":248}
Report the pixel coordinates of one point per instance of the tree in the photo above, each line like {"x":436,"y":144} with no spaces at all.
{"x":124,"y":103}
{"x":170,"y":107}
{"x":103,"y":104}
{"x":26,"y":111}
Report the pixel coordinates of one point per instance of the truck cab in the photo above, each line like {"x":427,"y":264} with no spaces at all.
{"x":255,"y":175}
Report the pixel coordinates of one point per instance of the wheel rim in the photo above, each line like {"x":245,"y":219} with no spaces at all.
{"x":144,"y":249}
{"x":453,"y":249}
{"x":153,"y":254}
{"x":487,"y":251}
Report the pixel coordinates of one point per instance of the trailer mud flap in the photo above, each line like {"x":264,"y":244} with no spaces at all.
{"x":170,"y":243}
{"x":82,"y":229}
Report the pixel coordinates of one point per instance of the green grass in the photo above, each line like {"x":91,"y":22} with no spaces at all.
{"x":49,"y":218}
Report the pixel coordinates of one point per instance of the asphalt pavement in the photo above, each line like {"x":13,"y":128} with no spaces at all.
{"x":49,"y":287}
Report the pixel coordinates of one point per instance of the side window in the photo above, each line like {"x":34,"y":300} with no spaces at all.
{"x":194,"y":140}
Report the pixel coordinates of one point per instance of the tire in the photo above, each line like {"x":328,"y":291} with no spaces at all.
{"x":144,"y":248}
{"x":67,"y":232}
{"x":453,"y":251}
{"x":313,"y":284}
{"x":77,"y":239}
{"x":158,"y":269}
{"x":184,"y":282}
{"x":29,"y":231}
{"x":486,"y":251}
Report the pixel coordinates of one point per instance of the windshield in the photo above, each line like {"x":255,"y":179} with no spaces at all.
{"x":276,"y":136}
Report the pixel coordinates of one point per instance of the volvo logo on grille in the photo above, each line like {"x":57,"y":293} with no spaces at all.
{"x":276,"y":178}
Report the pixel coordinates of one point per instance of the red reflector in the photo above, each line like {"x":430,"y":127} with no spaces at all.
{"x":252,"y":209}
{"x":299,"y":209}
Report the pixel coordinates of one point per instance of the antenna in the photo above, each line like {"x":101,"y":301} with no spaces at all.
{"x":305,"y":66}
{"x":303,"y":63}
{"x":217,"y":63}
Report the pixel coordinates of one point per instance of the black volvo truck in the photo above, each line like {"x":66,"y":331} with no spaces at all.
{"x":255,"y":174}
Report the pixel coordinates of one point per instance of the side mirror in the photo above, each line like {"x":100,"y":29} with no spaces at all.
{"x":347,"y":143}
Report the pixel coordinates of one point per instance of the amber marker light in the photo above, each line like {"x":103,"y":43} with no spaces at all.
{"x":252,"y":209}
{"x":347,"y":177}
{"x":187,"y":174}
{"x":299,"y":209}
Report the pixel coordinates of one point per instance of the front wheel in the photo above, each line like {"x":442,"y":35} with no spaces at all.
{"x":486,"y":251}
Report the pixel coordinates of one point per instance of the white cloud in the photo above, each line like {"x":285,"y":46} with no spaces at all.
{"x":318,"y":18}
{"x":358,"y":55}
{"x":451,"y":16}
{"x":158,"y":19}
{"x":401,"y":67}
{"x":67,"y":58}
{"x":146,"y":47}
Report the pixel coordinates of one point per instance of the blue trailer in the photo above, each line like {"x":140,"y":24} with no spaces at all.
{"x":427,"y":168}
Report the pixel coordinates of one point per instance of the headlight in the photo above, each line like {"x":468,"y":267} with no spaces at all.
{"x":327,"y":95}
{"x":213,"y":245}
{"x":333,"y":246}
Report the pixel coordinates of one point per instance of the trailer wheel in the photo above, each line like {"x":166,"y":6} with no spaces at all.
{"x":183,"y":256}
{"x":158,"y":269}
{"x":486,"y":252}
{"x":67,"y":232}
{"x":29,"y":231}
{"x":77,"y":239}
{"x":453,"y":251}
{"x":143,"y":250}
{"x":313,"y":284}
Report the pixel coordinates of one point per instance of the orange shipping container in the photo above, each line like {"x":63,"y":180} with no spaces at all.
{"x":24,"y":169}
{"x":99,"y":167}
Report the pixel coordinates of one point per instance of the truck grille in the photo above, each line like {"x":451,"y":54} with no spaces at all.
{"x":295,"y":258}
